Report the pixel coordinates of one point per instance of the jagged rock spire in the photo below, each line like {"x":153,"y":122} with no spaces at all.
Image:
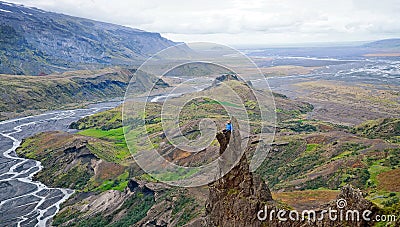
{"x":235,"y":199}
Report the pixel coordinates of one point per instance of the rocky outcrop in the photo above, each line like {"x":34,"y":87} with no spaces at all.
{"x":235,"y":199}
{"x":226,"y":77}
{"x":223,"y":139}
{"x":114,"y":206}
{"x":349,"y":200}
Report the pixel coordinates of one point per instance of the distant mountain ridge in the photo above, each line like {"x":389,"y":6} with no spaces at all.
{"x":378,"y":48}
{"x":34,"y":42}
{"x":384,"y":43}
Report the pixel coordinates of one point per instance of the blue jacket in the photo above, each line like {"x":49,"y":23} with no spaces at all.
{"x":228,"y":127}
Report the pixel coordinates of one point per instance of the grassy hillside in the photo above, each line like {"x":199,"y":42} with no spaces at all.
{"x":24,"y":94}
{"x":387,"y":128}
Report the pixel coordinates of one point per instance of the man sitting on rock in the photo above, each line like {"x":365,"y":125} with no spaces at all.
{"x":228,"y":126}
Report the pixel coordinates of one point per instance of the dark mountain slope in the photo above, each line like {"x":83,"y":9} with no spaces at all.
{"x":33,"y":41}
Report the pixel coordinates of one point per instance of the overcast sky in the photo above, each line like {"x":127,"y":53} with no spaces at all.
{"x":238,"y":22}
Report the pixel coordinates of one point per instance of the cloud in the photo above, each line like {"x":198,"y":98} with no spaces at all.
{"x":241,"y":21}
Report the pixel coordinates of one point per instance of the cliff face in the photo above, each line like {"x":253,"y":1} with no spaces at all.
{"x":235,"y":199}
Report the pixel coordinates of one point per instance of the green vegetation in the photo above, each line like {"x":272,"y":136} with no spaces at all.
{"x":358,"y":177}
{"x":146,"y":177}
{"x":311,"y":147}
{"x":388,"y":202}
{"x":120,"y":151}
{"x":76,"y":178}
{"x":137,"y":208}
{"x":374,"y":170}
{"x":110,"y":152}
{"x":119,"y":183}
{"x":115,"y":135}
{"x":304,"y":163}
{"x":224,"y":103}
{"x":347,"y":150}
{"x":66,"y":215}
{"x":181,"y":174}
{"x":297,"y":125}
{"x":274,"y":169}
{"x":288,"y":111}
{"x":184,"y":209}
{"x":107,"y":120}
{"x":387,"y":128}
